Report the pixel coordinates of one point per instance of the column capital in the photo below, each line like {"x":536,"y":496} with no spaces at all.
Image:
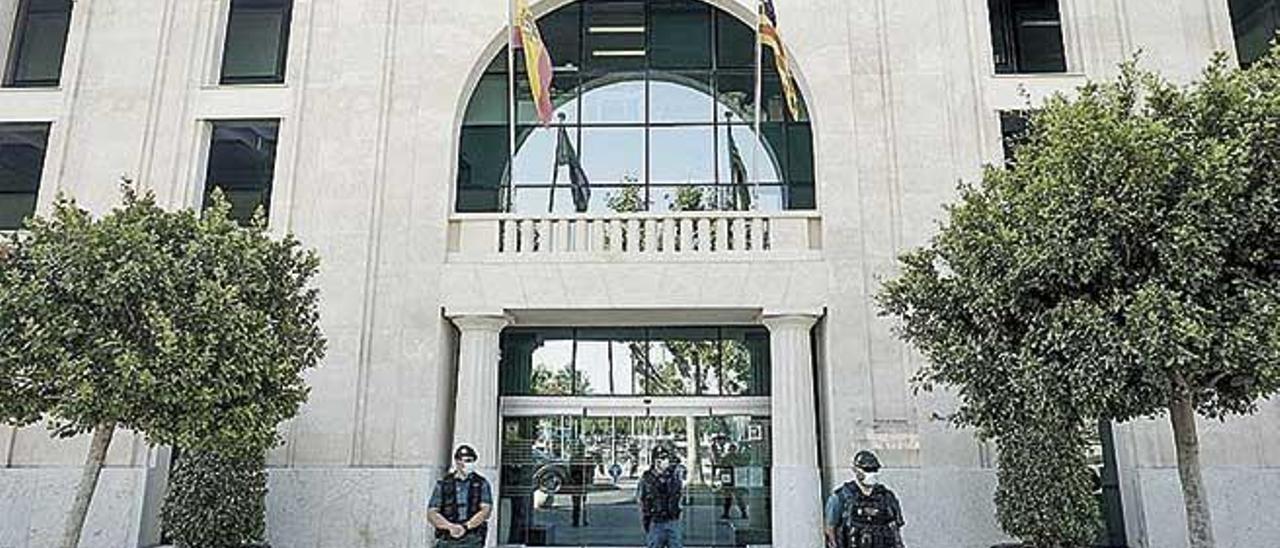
{"x":777,"y":320}
{"x":489,"y":322}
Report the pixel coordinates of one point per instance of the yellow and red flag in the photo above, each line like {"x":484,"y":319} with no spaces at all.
{"x":537,"y":60}
{"x":769,"y":37}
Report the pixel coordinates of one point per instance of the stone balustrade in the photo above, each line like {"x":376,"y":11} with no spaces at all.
{"x":700,"y":234}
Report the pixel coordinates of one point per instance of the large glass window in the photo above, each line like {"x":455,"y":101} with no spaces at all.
{"x":39,"y":41}
{"x":572,"y":480}
{"x":1026,"y":36}
{"x":657,"y":99}
{"x":1255,"y":23}
{"x":686,"y":361}
{"x":22,"y":149}
{"x":257,"y":41}
{"x":242,"y":159}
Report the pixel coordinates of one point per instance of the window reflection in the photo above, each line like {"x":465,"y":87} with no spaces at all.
{"x":686,"y":361}
{"x":651,"y":95}
{"x":572,"y":480}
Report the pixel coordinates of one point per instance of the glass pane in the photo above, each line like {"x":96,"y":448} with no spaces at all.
{"x":611,"y":361}
{"x":615,"y":36}
{"x":800,"y":195}
{"x":1255,"y":23}
{"x":561,"y":31}
{"x":1040,"y":41}
{"x":617,"y":99}
{"x":573,"y":481}
{"x":799,"y":152}
{"x":744,"y":368}
{"x":677,"y":358}
{"x":682,"y":155}
{"x":759,"y":163}
{"x":680,"y":97}
{"x":536,"y":156}
{"x":679,"y":34}
{"x":22,"y":151}
{"x":613,"y":156}
{"x":256,"y":41}
{"x":736,"y":97}
{"x":242,"y":160}
{"x":482,"y":162}
{"x":552,"y":362}
{"x":42,"y":41}
{"x":489,"y":102}
{"x":564,"y":98}
{"x":736,"y":43}
{"x":624,"y":199}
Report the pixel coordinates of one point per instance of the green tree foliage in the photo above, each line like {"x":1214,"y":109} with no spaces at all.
{"x":1127,"y":265}
{"x":217,"y":500}
{"x":186,"y":328}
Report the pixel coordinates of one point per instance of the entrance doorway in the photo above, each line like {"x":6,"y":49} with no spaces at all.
{"x":572,"y":459}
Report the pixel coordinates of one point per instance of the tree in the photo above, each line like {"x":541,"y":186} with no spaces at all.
{"x":1128,"y":263}
{"x":184,"y":327}
{"x":217,"y":499}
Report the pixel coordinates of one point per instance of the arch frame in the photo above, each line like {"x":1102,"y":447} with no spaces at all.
{"x":542,"y":8}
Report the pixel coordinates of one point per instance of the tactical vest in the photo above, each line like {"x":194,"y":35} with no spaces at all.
{"x":869,"y":521}
{"x":449,"y":504}
{"x":662,"y":494}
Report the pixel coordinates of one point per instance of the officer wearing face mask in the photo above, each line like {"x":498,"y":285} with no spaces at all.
{"x":659,"y":495}
{"x":863,"y":513}
{"x":461,"y":503}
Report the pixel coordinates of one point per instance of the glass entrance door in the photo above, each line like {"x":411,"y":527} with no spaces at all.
{"x":570,"y":474}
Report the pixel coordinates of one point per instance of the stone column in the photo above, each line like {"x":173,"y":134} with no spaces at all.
{"x":796,"y":483}
{"x":476,"y":421}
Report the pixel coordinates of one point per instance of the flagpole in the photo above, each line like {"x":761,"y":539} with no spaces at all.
{"x":758,"y":142}
{"x":509,"y":191}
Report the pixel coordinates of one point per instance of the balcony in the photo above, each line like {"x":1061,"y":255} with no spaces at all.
{"x":695,"y":236}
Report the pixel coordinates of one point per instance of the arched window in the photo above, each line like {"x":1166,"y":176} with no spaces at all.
{"x":658,"y":101}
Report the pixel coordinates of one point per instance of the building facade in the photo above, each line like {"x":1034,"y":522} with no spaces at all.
{"x":670,"y":262}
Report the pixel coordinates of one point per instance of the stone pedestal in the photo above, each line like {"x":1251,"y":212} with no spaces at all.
{"x":796,"y":483}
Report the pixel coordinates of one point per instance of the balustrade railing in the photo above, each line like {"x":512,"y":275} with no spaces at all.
{"x":633,"y":234}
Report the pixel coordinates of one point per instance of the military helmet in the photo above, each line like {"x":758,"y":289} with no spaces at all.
{"x":866,"y":461}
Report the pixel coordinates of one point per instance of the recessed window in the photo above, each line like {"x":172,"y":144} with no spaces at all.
{"x":1013,"y":132}
{"x":22,"y":148}
{"x":1026,"y":36}
{"x":657,"y":100}
{"x":1255,"y":23}
{"x":39,"y":41}
{"x":257,"y":42}
{"x":242,"y":159}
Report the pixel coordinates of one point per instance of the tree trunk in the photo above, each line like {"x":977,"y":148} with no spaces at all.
{"x":1199,"y":526}
{"x":88,"y":482}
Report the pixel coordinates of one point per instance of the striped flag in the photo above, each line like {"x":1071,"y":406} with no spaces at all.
{"x":537,"y":59}
{"x":769,"y":37}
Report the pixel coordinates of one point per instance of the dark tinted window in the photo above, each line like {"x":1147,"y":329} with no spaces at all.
{"x":1255,"y":23}
{"x":1026,"y":36}
{"x":22,"y":148}
{"x":242,"y":159}
{"x":1013,"y":132}
{"x":257,"y":41}
{"x":39,"y":41}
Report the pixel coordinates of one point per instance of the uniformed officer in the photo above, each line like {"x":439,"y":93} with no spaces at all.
{"x":863,"y":513}
{"x":461,"y":503}
{"x":659,"y":494}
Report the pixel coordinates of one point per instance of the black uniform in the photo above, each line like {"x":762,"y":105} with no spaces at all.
{"x":869,"y":520}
